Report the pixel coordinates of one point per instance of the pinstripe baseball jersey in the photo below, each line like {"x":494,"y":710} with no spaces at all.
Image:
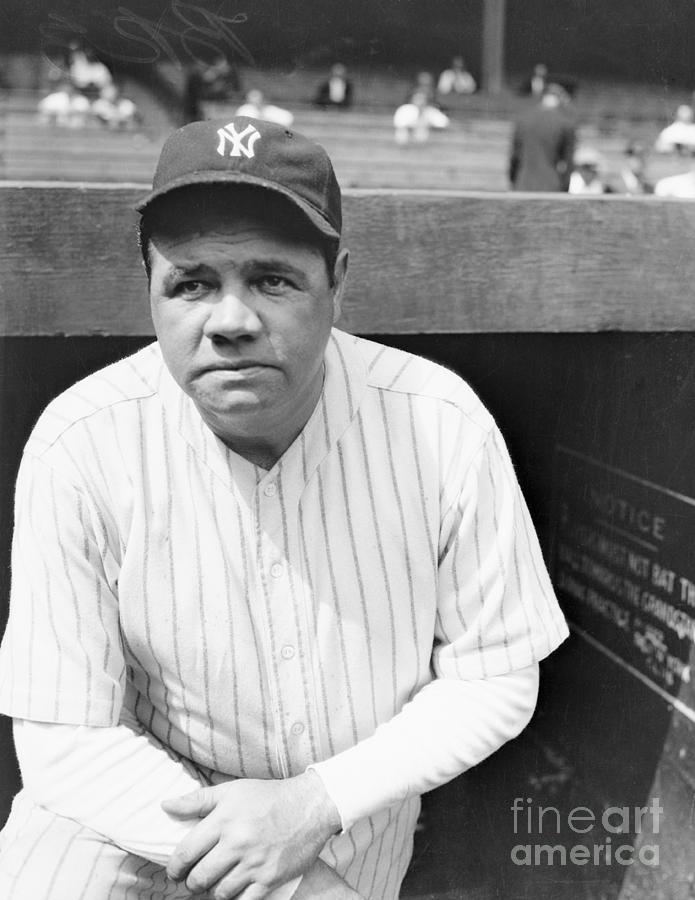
{"x":256,"y":621}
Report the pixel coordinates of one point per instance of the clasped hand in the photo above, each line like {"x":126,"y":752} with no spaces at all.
{"x":252,"y":836}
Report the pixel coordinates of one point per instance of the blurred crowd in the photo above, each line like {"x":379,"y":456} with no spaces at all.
{"x":546,"y":153}
{"x":85,"y":91}
{"x":546,"y":156}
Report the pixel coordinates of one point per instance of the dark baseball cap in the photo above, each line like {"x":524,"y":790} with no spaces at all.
{"x":250,"y":151}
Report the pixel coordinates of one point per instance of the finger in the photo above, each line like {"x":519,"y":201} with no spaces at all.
{"x":217,"y":864}
{"x":235,"y":887}
{"x":198,"y":803}
{"x":252,"y":892}
{"x":199,"y":841}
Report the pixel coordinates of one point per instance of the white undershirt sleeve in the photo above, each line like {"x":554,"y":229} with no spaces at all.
{"x":112,"y":780}
{"x":448,"y":727}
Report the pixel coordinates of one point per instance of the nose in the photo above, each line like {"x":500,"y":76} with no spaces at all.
{"x":231,"y":317}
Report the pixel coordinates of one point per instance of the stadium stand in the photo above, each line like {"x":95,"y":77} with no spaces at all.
{"x":471,"y":155}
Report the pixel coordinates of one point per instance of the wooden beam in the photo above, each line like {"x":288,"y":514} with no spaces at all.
{"x":493,"y":46}
{"x":421,"y":262}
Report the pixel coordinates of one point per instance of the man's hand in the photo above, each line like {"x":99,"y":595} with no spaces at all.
{"x":253,"y":835}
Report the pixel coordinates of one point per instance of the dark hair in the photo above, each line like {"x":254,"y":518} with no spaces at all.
{"x":327,"y":246}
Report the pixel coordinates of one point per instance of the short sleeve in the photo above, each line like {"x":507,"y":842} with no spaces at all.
{"x":497,"y":610}
{"x":61,"y":658}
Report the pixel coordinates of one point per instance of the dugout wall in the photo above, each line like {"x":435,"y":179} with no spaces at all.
{"x":573,"y":318}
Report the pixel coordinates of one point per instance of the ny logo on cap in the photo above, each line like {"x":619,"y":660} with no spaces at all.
{"x":230,"y":135}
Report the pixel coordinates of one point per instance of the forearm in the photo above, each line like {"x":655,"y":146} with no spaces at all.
{"x":447,"y":728}
{"x":110,"y":779}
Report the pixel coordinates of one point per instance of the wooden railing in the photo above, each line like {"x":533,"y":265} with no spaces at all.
{"x":421,"y":262}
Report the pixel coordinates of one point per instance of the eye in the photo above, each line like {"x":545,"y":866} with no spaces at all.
{"x":273,"y":284}
{"x":190,"y":288}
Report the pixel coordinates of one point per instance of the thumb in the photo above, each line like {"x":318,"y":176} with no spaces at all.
{"x":196,"y":804}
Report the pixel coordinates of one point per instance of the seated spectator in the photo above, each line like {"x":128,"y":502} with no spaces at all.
{"x":336,"y":91}
{"x":681,"y":186}
{"x":534,"y":85}
{"x":115,"y":111}
{"x":631,"y":179}
{"x":413,"y":121}
{"x":679,"y":136}
{"x":65,"y":107}
{"x":87,"y":74}
{"x":220,"y":80}
{"x":456,"y":80}
{"x":424,"y":83}
{"x":587,"y":175}
{"x":255,"y":107}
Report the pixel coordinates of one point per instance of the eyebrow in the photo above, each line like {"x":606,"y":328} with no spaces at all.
{"x":176,"y":273}
{"x":276,"y":265}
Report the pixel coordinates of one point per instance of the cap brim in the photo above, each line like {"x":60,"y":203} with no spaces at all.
{"x":217,"y":177}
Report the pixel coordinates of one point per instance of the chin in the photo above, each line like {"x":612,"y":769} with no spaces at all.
{"x":220,"y":407}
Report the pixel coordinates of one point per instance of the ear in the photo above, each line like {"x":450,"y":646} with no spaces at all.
{"x":339,"y":279}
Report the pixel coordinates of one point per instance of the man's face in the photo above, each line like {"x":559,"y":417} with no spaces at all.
{"x":243,"y":305}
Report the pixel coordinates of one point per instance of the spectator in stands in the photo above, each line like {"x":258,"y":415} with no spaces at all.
{"x":413,"y":121}
{"x":534,"y":85}
{"x":336,"y":91}
{"x":256,"y":108}
{"x":424,"y":84}
{"x":220,"y":79}
{"x":680,"y":186}
{"x":114,"y":110}
{"x":543,"y":144}
{"x":587,"y":177}
{"x":632,"y":178}
{"x":65,"y":107}
{"x":679,"y":136}
{"x":456,"y":80}
{"x":87,"y":73}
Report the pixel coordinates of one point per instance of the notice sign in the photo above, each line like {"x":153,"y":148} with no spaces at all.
{"x":624,"y":565}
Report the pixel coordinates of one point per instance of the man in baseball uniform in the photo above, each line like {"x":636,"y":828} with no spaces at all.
{"x":271,"y":582}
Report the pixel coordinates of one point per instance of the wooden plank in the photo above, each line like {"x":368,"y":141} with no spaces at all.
{"x":422,"y":262}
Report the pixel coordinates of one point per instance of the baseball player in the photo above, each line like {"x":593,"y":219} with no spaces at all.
{"x":271,"y":582}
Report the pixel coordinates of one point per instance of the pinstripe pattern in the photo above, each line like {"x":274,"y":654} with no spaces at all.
{"x":266,"y":620}
{"x":47,"y":857}
{"x":297,"y":623}
{"x":382,"y":561}
{"x":407,"y":560}
{"x":232,"y":633}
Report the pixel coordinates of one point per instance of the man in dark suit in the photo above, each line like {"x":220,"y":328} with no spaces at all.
{"x":543,"y":144}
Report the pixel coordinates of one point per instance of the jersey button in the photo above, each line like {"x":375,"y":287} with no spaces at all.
{"x":297,"y":728}
{"x":270,"y":490}
{"x":287,"y":652}
{"x":276,"y":570}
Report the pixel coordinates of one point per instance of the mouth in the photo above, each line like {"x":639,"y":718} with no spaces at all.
{"x":238,"y":371}
{"x":236,"y":366}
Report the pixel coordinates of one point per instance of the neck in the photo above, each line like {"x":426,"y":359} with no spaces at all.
{"x":262,"y":440}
